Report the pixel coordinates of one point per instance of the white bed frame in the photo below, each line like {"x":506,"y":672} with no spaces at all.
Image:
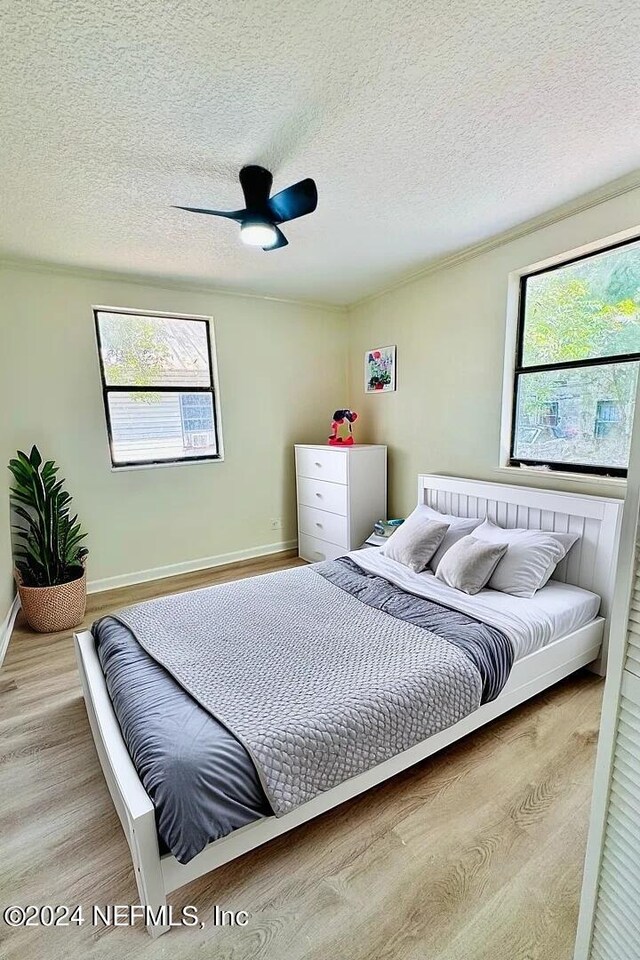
{"x":591,"y":564}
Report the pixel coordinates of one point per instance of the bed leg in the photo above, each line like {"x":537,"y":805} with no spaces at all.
{"x":146,"y":860}
{"x":599,"y":667}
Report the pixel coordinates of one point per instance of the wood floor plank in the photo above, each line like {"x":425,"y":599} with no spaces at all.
{"x":542,"y":898}
{"x":476,"y":852}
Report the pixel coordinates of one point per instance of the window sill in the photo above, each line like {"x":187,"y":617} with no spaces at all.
{"x":617,"y":484}
{"x":169,"y":463}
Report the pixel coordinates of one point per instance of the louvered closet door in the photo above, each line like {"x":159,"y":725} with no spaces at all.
{"x":632,"y":661}
{"x":609,"y":925}
{"x":616,"y":927}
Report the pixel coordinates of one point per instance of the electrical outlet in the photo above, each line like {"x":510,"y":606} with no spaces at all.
{"x":276,"y":523}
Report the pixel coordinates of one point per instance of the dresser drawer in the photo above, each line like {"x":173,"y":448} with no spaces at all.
{"x":323,"y":495}
{"x":325,"y":526}
{"x":315,"y":550}
{"x":320,"y":464}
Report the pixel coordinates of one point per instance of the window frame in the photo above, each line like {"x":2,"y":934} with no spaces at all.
{"x":213,"y":389}
{"x":517,"y":369}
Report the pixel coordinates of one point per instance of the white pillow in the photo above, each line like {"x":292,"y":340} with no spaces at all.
{"x":531,"y":558}
{"x":459,"y":527}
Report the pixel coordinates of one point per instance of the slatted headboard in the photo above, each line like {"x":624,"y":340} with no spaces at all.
{"x":591,"y":562}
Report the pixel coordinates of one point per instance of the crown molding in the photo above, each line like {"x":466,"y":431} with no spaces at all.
{"x":152,"y":280}
{"x":616,"y":188}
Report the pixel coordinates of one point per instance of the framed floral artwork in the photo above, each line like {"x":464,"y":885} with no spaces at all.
{"x":380,"y":370}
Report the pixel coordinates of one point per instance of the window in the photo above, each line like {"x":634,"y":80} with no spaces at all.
{"x":158,"y":386}
{"x":577,"y":360}
{"x":608,"y":413}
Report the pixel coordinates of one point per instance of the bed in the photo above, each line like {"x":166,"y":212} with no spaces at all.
{"x":562,"y":629}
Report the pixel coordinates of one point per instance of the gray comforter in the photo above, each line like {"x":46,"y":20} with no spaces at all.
{"x":354,"y":671}
{"x":200,"y":779}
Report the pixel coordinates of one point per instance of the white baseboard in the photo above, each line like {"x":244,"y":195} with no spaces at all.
{"x":188,"y":566}
{"x":6,"y":627}
{"x":155,"y":573}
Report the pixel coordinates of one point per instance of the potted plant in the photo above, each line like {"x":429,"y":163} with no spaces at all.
{"x":49,"y":559}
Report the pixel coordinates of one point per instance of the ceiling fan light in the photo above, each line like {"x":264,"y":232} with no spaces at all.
{"x":258,"y":234}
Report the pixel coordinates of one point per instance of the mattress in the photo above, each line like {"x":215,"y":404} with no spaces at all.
{"x":201,"y":779}
{"x":530,"y":624}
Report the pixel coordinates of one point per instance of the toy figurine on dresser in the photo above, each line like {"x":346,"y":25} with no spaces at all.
{"x":340,"y":417}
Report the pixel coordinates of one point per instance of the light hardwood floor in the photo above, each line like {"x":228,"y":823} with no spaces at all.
{"x":474,"y":853}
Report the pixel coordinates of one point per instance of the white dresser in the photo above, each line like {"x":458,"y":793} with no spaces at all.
{"x":342,"y":491}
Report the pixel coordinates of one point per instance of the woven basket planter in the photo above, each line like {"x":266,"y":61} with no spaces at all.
{"x":52,"y":609}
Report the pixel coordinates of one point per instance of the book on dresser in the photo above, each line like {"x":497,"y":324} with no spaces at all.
{"x":342,"y":491}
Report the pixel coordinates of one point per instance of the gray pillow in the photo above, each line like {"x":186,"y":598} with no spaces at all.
{"x":415,"y":542}
{"x":459,"y":527}
{"x":469,"y":563}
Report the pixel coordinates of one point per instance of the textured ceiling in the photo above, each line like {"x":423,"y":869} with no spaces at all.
{"x":427,"y":126}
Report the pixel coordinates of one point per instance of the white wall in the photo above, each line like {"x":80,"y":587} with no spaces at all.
{"x":282,"y":373}
{"x":449,"y":327}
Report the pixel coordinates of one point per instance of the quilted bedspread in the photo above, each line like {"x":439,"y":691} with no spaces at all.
{"x":318,"y":685}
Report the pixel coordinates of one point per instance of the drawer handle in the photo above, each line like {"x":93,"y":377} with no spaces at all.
{"x":319,"y":495}
{"x":318,"y":523}
{"x":317,"y":553}
{"x":317,"y":463}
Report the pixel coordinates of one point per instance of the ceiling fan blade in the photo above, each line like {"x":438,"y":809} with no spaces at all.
{"x":256,"y":185}
{"x":229,"y":214}
{"x":280,"y":242}
{"x":295,"y":201}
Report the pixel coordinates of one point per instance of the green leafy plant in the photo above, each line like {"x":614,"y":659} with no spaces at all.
{"x":48,"y":538}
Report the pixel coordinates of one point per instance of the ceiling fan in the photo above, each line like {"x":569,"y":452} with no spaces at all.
{"x":259,"y":221}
